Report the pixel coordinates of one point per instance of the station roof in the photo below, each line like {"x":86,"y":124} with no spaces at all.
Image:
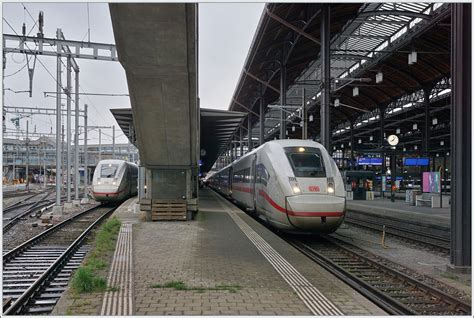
{"x":366,"y":39}
{"x":217,"y":128}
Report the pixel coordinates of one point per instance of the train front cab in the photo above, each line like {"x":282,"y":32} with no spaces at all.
{"x":318,"y":201}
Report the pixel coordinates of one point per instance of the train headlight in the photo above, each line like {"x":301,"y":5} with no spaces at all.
{"x":98,"y":182}
{"x":294,"y":185}
{"x":331,"y":187}
{"x":114,"y":183}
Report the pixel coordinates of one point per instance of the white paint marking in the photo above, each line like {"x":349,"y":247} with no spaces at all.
{"x":316,"y":302}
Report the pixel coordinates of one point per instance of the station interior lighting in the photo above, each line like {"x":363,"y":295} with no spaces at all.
{"x":360,"y":141}
{"x":404,"y":149}
{"x":342,"y":146}
{"x":379,"y":77}
{"x":398,"y":131}
{"x":336,"y":102}
{"x":371,"y":138}
{"x":415,"y":126}
{"x":311,"y":117}
{"x":355,"y":91}
{"x":435,"y":121}
{"x":412,"y":57}
{"x":441,"y":142}
{"x":293,"y":128}
{"x":415,"y":147}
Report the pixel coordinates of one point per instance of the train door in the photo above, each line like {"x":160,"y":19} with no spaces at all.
{"x":253,"y":178}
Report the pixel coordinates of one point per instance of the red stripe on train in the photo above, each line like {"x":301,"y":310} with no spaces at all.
{"x":294,"y":213}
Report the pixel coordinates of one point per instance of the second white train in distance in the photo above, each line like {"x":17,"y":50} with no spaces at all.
{"x":114,"y":180}
{"x":292,"y":184}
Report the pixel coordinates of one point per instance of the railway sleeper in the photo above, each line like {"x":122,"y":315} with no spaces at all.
{"x":45,"y":302}
{"x":39,"y":310}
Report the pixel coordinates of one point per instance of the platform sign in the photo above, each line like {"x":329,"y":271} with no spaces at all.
{"x":369,"y":161}
{"x":431,"y":182}
{"x":416,"y":162}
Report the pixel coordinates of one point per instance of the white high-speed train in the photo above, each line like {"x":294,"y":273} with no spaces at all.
{"x":114,"y":180}
{"x":294,"y":185}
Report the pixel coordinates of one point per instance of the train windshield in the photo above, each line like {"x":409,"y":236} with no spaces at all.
{"x":306,"y":162}
{"x":108,"y":170}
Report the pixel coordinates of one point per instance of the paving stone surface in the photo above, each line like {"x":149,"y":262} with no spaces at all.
{"x":211,"y":252}
{"x":206,"y":253}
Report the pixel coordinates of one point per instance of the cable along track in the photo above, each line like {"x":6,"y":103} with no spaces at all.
{"x":37,"y":272}
{"x":393,"y":291}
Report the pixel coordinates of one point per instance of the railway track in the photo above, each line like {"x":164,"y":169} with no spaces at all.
{"x":23,"y":210}
{"x":441,"y":243}
{"x":37,"y":272}
{"x":395,"y":292}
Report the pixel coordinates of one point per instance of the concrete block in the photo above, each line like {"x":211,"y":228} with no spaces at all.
{"x":84,"y":200}
{"x":58,"y":210}
{"x":76,"y":203}
{"x":68,"y":205}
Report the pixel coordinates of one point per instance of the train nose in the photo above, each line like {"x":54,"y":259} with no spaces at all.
{"x":316,"y":212}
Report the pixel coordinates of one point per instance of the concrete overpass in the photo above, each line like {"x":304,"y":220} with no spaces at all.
{"x":157,"y":46}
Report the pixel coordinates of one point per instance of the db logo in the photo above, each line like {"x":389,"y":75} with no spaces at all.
{"x":314,"y":189}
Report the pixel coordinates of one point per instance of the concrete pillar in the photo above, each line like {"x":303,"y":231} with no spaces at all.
{"x":325,"y":78}
{"x":461,"y":112}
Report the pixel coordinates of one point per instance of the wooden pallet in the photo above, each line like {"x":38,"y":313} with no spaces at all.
{"x":168,"y":210}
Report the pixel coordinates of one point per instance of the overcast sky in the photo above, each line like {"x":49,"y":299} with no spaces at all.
{"x":225,"y":34}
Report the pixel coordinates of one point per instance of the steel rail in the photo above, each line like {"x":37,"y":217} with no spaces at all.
{"x":38,"y":204}
{"x":391,"y":306}
{"x":54,"y":268}
{"x":379,"y":297}
{"x":422,"y":286}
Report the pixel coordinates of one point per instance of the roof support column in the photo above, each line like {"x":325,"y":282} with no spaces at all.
{"x":461,"y":135}
{"x":426,"y":127}
{"x":241,"y":143}
{"x":325,"y":78}
{"x":282,"y":101}
{"x":261,"y":137}
{"x":249,"y":132}
{"x":352,"y":144}
{"x":382,"y":133}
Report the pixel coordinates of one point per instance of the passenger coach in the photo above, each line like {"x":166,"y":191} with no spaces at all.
{"x":294,"y":185}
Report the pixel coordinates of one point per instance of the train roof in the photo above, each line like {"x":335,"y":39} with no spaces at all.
{"x":114,"y":161}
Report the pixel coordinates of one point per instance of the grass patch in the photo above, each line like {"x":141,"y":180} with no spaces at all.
{"x":87,"y":278}
{"x":179,"y":285}
{"x":85,"y":281}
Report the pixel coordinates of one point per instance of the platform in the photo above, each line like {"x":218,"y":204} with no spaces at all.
{"x":402,"y":210}
{"x":223,"y":263}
